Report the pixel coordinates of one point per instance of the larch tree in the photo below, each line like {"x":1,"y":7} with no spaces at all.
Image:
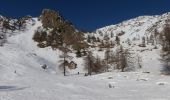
{"x":64,"y":57}
{"x":89,"y":62}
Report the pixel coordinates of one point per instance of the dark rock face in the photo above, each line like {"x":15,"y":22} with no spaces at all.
{"x":51,"y":18}
{"x":57,"y":31}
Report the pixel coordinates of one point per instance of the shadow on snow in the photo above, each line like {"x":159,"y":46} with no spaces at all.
{"x":11,"y":88}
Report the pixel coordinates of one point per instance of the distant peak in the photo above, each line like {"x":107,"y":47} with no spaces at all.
{"x":49,"y":11}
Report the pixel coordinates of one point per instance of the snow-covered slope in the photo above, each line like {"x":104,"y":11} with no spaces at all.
{"x":22,"y":78}
{"x":141,"y":26}
{"x":132,"y":32}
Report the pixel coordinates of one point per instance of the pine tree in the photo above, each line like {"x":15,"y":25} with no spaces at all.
{"x":78,"y":53}
{"x":5,"y":25}
{"x":112,"y":35}
{"x":89,"y":39}
{"x":107,"y":58}
{"x":117,"y":40}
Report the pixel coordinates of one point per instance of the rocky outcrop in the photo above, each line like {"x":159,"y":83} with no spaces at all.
{"x":57,"y":31}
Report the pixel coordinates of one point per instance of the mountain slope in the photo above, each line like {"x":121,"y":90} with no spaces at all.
{"x":141,"y":26}
{"x":22,"y":78}
{"x":132,"y":33}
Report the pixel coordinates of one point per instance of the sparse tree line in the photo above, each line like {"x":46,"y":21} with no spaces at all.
{"x":165,"y":42}
{"x":104,"y":42}
{"x":11,"y":25}
{"x":122,"y":60}
{"x":162,"y":38}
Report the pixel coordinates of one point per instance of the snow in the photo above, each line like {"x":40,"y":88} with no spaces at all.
{"x":22,"y":78}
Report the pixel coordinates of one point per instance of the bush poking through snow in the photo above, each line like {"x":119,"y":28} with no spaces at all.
{"x":111,"y":84}
{"x":142,"y":79}
{"x":110,"y":77}
{"x":146,"y":72}
{"x":161,"y":83}
{"x":44,"y":67}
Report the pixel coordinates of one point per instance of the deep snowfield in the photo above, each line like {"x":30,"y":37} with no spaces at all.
{"x":22,"y":78}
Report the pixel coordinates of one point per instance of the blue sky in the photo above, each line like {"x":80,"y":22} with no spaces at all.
{"x":87,"y":14}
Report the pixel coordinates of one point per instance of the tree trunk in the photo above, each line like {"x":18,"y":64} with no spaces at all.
{"x":64,"y":68}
